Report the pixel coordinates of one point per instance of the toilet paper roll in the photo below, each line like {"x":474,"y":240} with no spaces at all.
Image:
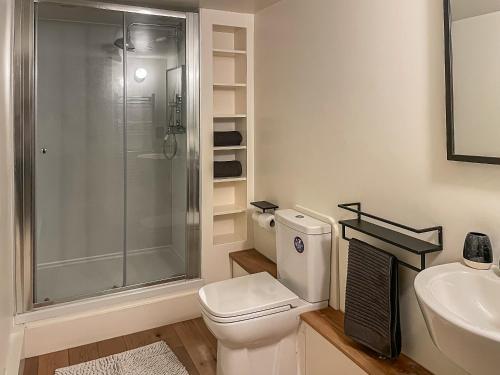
{"x":255,"y":216}
{"x":266,"y":221}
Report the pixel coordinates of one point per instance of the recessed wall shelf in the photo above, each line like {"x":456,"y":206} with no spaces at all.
{"x":229,"y":148}
{"x":229,"y":104}
{"x":228,"y":52}
{"x":230,"y":115}
{"x":229,"y":85}
{"x":401,"y":240}
{"x":229,"y":179}
{"x":229,"y":209}
{"x":222,"y":239}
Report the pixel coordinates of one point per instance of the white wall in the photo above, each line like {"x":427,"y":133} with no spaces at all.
{"x":476,"y":84}
{"x":6,"y":184}
{"x":461,"y":9}
{"x":350,"y":106}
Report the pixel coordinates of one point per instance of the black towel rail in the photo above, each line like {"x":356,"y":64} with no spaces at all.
{"x":398,"y":239}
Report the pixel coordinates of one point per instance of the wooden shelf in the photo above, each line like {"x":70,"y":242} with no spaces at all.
{"x":229,"y":179}
{"x":254,"y":262}
{"x":229,"y":209}
{"x":229,"y":85}
{"x":228,"y":52}
{"x":329,"y":323}
{"x":229,"y":148}
{"x":392,"y":237}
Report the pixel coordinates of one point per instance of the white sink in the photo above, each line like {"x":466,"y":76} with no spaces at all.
{"x":461,"y":307}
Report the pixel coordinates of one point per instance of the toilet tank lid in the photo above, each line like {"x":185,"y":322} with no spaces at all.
{"x":301,"y":222}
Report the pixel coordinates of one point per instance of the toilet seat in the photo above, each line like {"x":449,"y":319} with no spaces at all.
{"x":239,"y":318}
{"x":246,"y":297}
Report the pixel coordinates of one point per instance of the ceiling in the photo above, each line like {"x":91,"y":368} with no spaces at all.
{"x":471,"y":8}
{"x":241,"y":6}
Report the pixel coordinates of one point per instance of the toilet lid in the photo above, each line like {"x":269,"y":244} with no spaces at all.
{"x":245,"y":295}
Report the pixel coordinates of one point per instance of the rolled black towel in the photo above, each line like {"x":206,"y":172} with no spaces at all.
{"x":227,"y":169}
{"x":230,"y":138}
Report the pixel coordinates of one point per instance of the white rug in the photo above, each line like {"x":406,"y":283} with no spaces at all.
{"x":154,"y":359}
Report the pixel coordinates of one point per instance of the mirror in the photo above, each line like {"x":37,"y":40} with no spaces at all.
{"x":472,"y":41}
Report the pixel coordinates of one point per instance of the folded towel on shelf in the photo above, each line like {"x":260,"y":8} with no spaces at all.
{"x":227,"y":169}
{"x":372,"y":299}
{"x":229,"y":138}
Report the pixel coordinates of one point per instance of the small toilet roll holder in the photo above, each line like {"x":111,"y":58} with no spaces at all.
{"x":264,"y":206}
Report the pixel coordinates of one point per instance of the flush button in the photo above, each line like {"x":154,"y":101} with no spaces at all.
{"x":299,"y":216}
{"x":299,"y":244}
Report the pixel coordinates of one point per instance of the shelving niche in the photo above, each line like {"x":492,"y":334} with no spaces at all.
{"x":230,"y":112}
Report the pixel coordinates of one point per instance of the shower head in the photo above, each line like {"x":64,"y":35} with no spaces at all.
{"x":120,"y":42}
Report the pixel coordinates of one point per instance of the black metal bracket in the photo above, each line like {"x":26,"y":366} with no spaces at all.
{"x":403,"y":241}
{"x":264,"y":206}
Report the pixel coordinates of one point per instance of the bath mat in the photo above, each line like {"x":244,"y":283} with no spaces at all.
{"x":154,"y":359}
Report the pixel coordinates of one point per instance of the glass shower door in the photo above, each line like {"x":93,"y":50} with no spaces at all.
{"x":156,"y":165}
{"x":114,"y":175}
{"x":79,"y":182}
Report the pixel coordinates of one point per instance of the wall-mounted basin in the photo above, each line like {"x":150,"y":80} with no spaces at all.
{"x":461,"y":307}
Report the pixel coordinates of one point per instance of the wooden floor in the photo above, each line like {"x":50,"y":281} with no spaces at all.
{"x":191,"y":341}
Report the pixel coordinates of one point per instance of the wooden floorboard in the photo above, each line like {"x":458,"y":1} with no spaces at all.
{"x":31,"y":366}
{"x":48,"y":363}
{"x":207,"y":335}
{"x":197,"y":347}
{"x":112,"y":346}
{"x":83,"y":353}
{"x":191,"y":341}
{"x":186,"y":360}
{"x":136,"y":340}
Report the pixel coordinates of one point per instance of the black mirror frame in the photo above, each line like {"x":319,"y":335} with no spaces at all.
{"x":450,"y":131}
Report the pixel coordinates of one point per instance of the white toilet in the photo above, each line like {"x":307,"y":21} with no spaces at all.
{"x":255,"y":318}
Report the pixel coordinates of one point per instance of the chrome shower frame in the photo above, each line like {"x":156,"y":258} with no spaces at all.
{"x":24,"y":90}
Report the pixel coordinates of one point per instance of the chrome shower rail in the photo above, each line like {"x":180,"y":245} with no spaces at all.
{"x":117,"y":7}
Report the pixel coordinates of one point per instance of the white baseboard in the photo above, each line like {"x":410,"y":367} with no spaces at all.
{"x":50,"y":335}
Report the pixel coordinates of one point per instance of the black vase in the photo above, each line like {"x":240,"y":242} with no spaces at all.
{"x":477,"y":251}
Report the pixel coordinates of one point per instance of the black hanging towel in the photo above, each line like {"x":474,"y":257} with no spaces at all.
{"x":372,"y":299}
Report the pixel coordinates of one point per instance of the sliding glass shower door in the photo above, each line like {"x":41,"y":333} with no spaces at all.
{"x":111,"y":155}
{"x":156,"y":168}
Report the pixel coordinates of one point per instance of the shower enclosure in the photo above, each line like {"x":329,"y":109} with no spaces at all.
{"x":106,"y":149}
